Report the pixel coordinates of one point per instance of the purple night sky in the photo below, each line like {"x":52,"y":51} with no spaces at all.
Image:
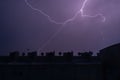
{"x":23,"y":28}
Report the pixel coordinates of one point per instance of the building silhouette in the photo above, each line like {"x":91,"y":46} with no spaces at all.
{"x":65,"y":66}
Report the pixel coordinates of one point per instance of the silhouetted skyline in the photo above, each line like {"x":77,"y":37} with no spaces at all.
{"x":65,"y":66}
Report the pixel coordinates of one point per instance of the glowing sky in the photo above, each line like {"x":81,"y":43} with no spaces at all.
{"x":22,"y":27}
{"x":79,"y":12}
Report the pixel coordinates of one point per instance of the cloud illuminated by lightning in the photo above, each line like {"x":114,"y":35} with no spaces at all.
{"x":81,"y":12}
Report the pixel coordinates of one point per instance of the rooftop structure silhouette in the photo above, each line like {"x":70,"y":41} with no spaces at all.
{"x":46,"y":65}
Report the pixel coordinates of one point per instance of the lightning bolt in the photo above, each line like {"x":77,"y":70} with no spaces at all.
{"x":80,"y":11}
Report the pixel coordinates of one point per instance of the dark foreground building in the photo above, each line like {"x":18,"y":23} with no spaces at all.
{"x":47,"y":66}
